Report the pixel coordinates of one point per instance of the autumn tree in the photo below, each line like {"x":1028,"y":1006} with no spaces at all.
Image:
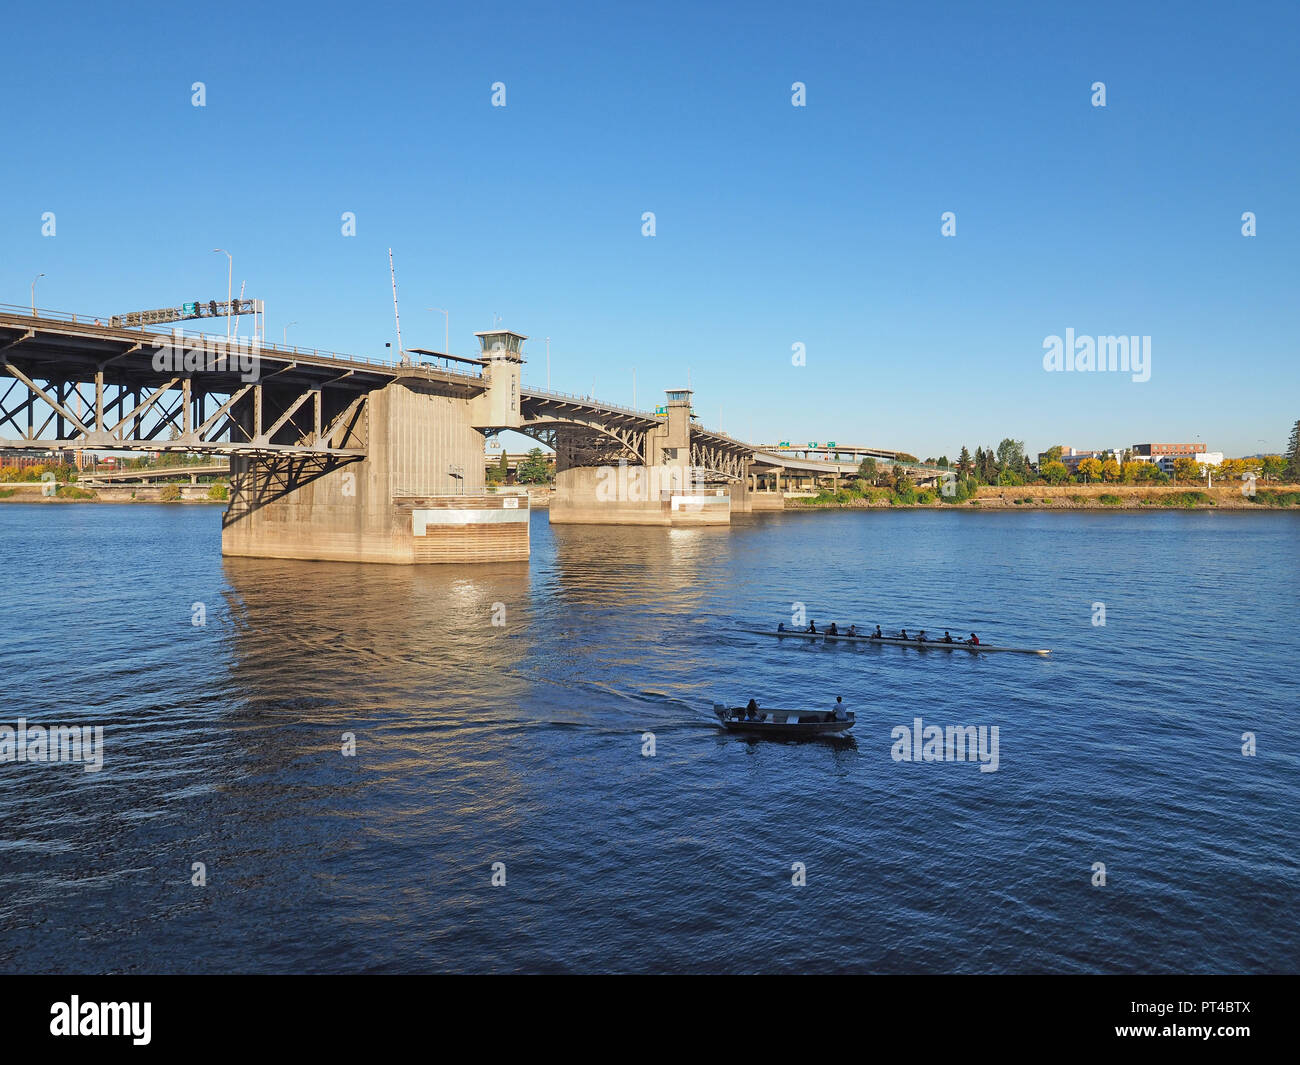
{"x":1054,"y":472}
{"x":1090,"y":469}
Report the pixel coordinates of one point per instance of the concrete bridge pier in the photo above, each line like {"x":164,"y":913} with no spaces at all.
{"x":597,"y":484}
{"x":412,"y":490}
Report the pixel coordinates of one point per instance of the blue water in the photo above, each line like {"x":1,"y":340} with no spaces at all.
{"x":522,"y":744}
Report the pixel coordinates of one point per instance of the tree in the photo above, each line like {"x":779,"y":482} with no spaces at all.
{"x":1090,"y":469}
{"x":867,"y":469}
{"x":902,"y":482}
{"x":1011,"y":456}
{"x":1293,"y":454}
{"x":1053,"y":454}
{"x":964,"y":464}
{"x":1054,"y":471}
{"x":535,"y":469}
{"x":1131,"y":472}
{"x":1110,"y":470}
{"x":978,"y":469}
{"x":1187,"y":470}
{"x":989,"y":474}
{"x":499,"y":472}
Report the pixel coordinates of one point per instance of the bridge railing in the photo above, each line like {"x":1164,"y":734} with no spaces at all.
{"x":101,"y":321}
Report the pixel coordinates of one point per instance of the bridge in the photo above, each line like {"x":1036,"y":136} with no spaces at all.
{"x":342,"y":457}
{"x":91,"y":477}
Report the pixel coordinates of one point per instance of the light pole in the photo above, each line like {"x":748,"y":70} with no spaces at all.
{"x":34,"y":280}
{"x":230,"y":284}
{"x":446,"y":328}
{"x":285,"y":334}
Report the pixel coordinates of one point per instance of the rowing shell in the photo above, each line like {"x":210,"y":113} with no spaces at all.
{"x":920,"y":645}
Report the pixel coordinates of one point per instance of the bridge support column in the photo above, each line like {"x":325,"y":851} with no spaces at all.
{"x":417,"y":495}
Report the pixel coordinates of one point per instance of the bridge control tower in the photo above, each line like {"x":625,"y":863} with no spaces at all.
{"x":670,"y":445}
{"x":502,"y":352}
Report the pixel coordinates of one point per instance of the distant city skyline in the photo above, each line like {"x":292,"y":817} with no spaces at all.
{"x":787,"y":222}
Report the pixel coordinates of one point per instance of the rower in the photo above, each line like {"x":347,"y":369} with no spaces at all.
{"x":853,"y":630}
{"x":780,"y":627}
{"x":973,"y":639}
{"x":902,"y":635}
{"x":947,"y":636}
{"x":834,"y":630}
{"x":877,"y":635}
{"x":812,"y":626}
{"x":920,"y":636}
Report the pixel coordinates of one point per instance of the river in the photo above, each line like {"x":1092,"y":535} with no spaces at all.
{"x":227,"y":830}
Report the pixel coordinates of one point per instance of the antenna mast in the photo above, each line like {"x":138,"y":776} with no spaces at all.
{"x":401,"y":351}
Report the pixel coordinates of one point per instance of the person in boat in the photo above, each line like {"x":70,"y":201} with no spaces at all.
{"x":921,"y":637}
{"x":751,"y":710}
{"x":902,"y":635}
{"x":974,"y":640}
{"x":834,"y":630}
{"x":780,"y":627}
{"x":853,"y":630}
{"x":947,"y":636}
{"x":838,"y":713}
{"x":877,"y":635}
{"x":812,"y":626}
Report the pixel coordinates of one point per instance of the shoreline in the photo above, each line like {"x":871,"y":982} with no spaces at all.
{"x":1114,"y":498}
{"x":191,"y":495}
{"x":1127,"y":498}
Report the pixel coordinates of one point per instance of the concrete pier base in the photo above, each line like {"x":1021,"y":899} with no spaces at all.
{"x":586,"y":495}
{"x":417,"y":496}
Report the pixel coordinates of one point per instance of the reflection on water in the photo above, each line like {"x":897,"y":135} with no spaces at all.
{"x":522,"y":743}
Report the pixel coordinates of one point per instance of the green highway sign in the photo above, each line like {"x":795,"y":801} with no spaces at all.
{"x":190,"y":308}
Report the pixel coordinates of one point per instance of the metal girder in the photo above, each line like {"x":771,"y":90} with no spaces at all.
{"x":120,"y":413}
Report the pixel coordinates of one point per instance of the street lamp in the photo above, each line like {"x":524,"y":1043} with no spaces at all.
{"x":285,"y":334}
{"x":34,"y":280}
{"x":230,"y":282}
{"x":446,"y":332}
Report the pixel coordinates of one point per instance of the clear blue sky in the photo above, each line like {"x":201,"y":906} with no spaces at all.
{"x":775,"y":224}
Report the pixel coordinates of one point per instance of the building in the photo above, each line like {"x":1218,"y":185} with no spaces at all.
{"x":23,"y":458}
{"x":1203,"y":458}
{"x":1071,"y":457}
{"x":1156,"y":452}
